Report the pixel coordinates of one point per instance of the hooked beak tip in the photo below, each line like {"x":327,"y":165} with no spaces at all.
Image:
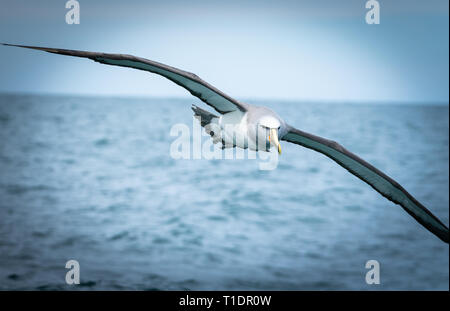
{"x":279,"y":148}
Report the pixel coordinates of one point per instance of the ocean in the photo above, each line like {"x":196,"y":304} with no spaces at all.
{"x":92,"y":179}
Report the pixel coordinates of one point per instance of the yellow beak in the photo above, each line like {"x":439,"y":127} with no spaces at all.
{"x":273,"y":137}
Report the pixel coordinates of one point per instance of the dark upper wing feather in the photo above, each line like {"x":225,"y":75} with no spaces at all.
{"x":382,"y":183}
{"x":191,"y":82}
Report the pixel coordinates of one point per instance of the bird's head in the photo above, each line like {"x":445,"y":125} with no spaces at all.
{"x":271,"y":126}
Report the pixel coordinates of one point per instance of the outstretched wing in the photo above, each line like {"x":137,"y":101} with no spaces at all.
{"x":382,"y":183}
{"x":221,"y":102}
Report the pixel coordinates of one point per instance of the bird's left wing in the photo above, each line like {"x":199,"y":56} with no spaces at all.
{"x":382,"y":183}
{"x":221,"y":102}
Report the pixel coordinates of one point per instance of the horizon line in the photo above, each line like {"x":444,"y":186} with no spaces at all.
{"x":244,"y":99}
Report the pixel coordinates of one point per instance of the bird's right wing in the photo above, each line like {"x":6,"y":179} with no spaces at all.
{"x":382,"y":183}
{"x":221,"y":102}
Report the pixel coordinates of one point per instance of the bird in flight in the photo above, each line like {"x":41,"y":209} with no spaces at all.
{"x":259,"y":128}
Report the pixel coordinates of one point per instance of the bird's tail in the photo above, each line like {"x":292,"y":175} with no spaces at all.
{"x":205,"y":117}
{"x":209,"y":122}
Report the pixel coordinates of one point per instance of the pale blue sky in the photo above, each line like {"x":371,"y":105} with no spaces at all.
{"x":290,"y":50}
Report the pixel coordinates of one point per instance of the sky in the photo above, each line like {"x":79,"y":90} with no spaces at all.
{"x":317,"y":50}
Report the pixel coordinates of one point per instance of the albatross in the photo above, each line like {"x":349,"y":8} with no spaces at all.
{"x":254,"y":124}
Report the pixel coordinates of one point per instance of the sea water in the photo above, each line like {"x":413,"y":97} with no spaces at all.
{"x":91,"y":179}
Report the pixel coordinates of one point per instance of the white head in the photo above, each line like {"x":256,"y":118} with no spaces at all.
{"x":268,"y":125}
{"x":270,"y":122}
{"x":271,"y":126}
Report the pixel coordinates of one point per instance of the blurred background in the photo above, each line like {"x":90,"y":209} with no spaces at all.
{"x":86,"y":174}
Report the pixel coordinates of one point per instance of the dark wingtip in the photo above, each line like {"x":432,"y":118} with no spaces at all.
{"x":445,"y":238}
{"x":444,"y":234}
{"x":16,"y":45}
{"x":441,"y":233}
{"x":50,"y":50}
{"x":76,"y":53}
